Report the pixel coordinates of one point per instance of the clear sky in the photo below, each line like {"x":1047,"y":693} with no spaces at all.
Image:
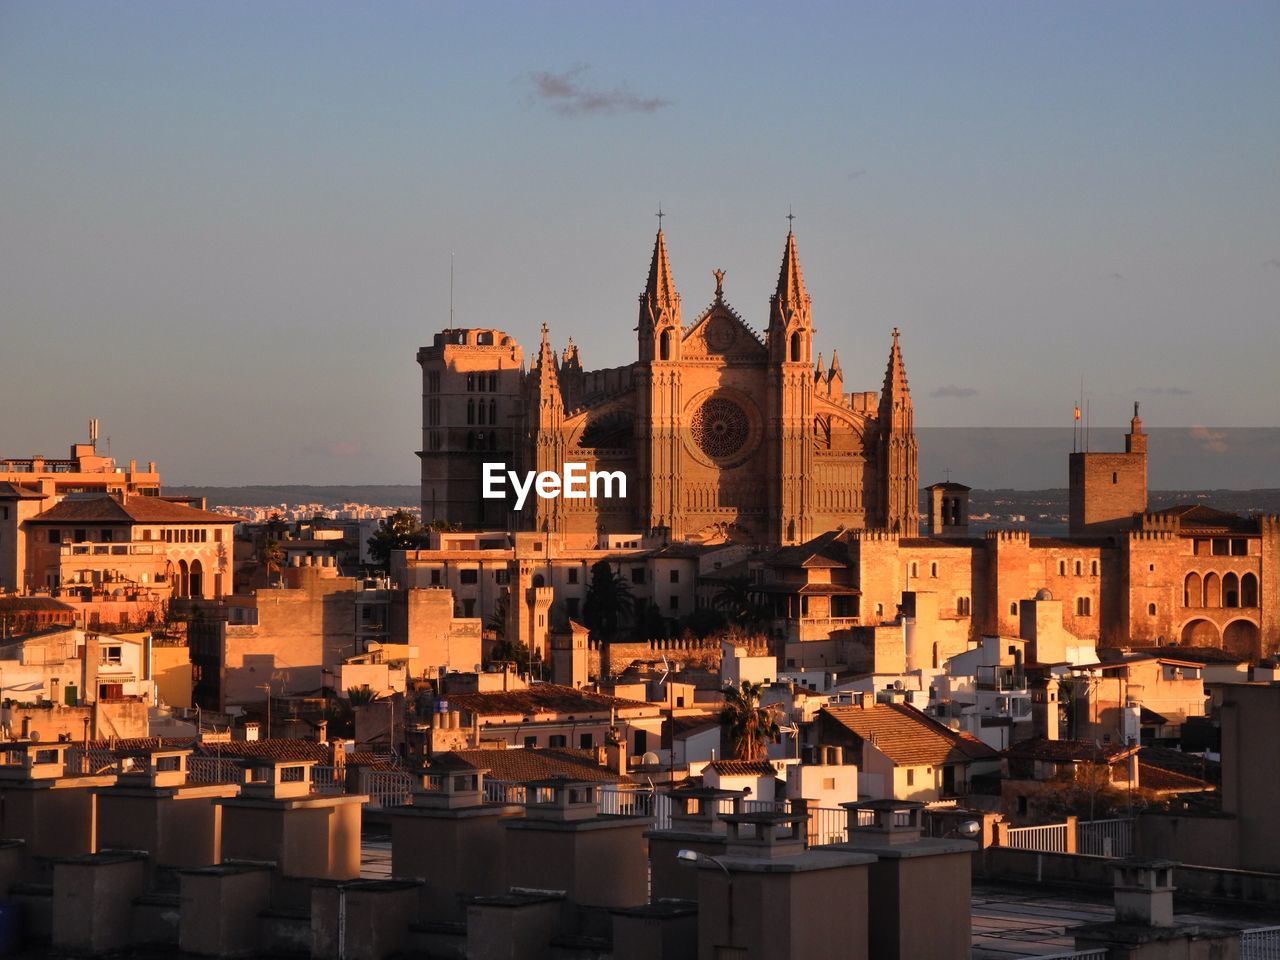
{"x":225,"y":228}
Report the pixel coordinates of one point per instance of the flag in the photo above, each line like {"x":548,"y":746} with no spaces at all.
{"x":1077,"y":411}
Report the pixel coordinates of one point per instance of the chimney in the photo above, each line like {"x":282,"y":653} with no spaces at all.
{"x":1144,"y":892}
{"x":322,"y":731}
{"x":337,"y":753}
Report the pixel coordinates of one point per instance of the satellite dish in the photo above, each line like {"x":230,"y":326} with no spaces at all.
{"x":34,"y":736}
{"x":650,"y":759}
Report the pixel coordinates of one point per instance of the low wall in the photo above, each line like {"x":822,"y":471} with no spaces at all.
{"x":1208,"y":884}
{"x":1208,"y":840}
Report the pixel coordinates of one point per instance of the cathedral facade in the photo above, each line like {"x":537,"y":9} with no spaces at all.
{"x":722,"y":434}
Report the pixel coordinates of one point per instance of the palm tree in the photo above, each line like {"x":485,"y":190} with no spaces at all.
{"x":608,"y":602}
{"x":747,"y":727}
{"x":737,"y":601}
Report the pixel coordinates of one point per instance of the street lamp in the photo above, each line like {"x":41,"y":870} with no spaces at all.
{"x":692,"y":858}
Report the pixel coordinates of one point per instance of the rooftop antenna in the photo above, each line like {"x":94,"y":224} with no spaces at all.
{"x":93,"y":432}
{"x":450,"y":289}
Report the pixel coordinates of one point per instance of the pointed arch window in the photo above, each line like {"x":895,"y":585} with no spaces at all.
{"x":795,"y":347}
{"x":471,"y":412}
{"x":664,"y":346}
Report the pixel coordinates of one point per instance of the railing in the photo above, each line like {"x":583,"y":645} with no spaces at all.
{"x":827,"y":825}
{"x":1098,"y":953}
{"x":1105,"y":838}
{"x":387,"y":788}
{"x":213,"y":769}
{"x":1260,"y":943}
{"x":1051,"y":838}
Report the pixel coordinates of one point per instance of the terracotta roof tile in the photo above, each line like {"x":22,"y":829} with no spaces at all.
{"x":1068,"y":751}
{"x":1167,"y":781}
{"x":526,"y":764}
{"x":131,"y":510}
{"x":743,"y":768}
{"x":539,"y":698}
{"x":909,"y":737}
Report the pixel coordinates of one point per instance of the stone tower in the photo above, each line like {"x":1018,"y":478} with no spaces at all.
{"x":659,"y":399}
{"x":898,"y":455}
{"x":546,"y":420}
{"x":791,"y":392}
{"x":1107,"y":490}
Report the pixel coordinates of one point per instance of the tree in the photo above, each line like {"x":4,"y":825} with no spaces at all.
{"x":497,"y":621}
{"x":608,"y":602}
{"x":271,"y":556}
{"x":397,"y":531}
{"x":650,"y":623}
{"x":737,"y":601}
{"x":747,"y":727}
{"x":512,"y":651}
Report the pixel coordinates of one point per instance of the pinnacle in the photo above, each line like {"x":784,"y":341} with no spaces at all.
{"x":790,"y":280}
{"x":660,"y":288}
{"x":895,"y":374}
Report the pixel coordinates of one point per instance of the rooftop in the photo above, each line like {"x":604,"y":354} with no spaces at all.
{"x":539,"y":698}
{"x":128,"y":510}
{"x":527,"y":764}
{"x":909,"y":737}
{"x":1069,"y":751}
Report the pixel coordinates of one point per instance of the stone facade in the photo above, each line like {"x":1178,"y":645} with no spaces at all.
{"x":723,"y":434}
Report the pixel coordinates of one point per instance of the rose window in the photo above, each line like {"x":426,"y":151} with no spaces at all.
{"x":720,"y":428}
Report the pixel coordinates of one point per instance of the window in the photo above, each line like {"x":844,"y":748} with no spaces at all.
{"x":1239,"y":548}
{"x":915,"y":572}
{"x":493,"y":383}
{"x":911,"y":778}
{"x":1084,"y":607}
{"x":471,"y":412}
{"x":673,"y":602}
{"x":471,"y":383}
{"x":1093,"y":568}
{"x":642,"y":741}
{"x":293,"y":774}
{"x":933,"y":569}
{"x":828,"y":783}
{"x":469,"y":607}
{"x":435,"y":577}
{"x":469,"y":575}
{"x":637,"y":574}
{"x":55,"y":536}
{"x":80,"y":536}
{"x":1221,"y":547}
{"x":502,"y":577}
{"x":558,"y":740}
{"x":675,"y":576}
{"x":1115,"y":477}
{"x":1151,"y":609}
{"x":573,"y":574}
{"x":963,"y":607}
{"x":1079,"y":568}
{"x":585,"y":741}
{"x":110,"y":656}
{"x":1013,"y":609}
{"x":530,"y":742}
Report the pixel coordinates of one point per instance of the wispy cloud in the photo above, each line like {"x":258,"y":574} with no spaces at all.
{"x":568,"y":93}
{"x":1117,"y":277}
{"x":1167,"y":391}
{"x":1211,"y":441}
{"x":953,"y":392}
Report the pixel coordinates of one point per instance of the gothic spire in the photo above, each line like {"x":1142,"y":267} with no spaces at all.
{"x":835,"y":370}
{"x":790,"y":290}
{"x":660,"y":290}
{"x":895,"y":375}
{"x":544,"y":367}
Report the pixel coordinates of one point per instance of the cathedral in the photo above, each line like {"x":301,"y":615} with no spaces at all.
{"x":722,"y":434}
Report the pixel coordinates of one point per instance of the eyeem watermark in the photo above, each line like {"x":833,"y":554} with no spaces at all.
{"x":576,"y":483}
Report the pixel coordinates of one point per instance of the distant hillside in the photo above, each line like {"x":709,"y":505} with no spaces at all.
{"x":261,"y":496}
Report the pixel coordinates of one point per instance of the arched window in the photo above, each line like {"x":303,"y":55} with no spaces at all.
{"x":963,"y":606}
{"x":1212,"y":590}
{"x":1248,"y":590}
{"x":1062,"y":568}
{"x":1231,"y":590}
{"x":1151,"y":609}
{"x":1079,"y":568}
{"x":795,"y":347}
{"x":493,"y":412}
{"x":471,"y":412}
{"x":933,"y":569}
{"x":1193,"y":591}
{"x":915,"y":571}
{"x":1013,"y":609}
{"x":664,"y":346}
{"x":195,"y":584}
{"x":1093,"y":568}
{"x":1084,"y":607}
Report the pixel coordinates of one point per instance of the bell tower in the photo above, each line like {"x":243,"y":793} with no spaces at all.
{"x":791,"y":390}
{"x":659,"y":395}
{"x":898,"y":453}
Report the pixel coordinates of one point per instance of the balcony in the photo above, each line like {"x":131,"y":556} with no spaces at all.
{"x":131,"y":548}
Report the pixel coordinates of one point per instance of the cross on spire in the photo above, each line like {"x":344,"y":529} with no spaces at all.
{"x":660,"y":215}
{"x":790,"y":220}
